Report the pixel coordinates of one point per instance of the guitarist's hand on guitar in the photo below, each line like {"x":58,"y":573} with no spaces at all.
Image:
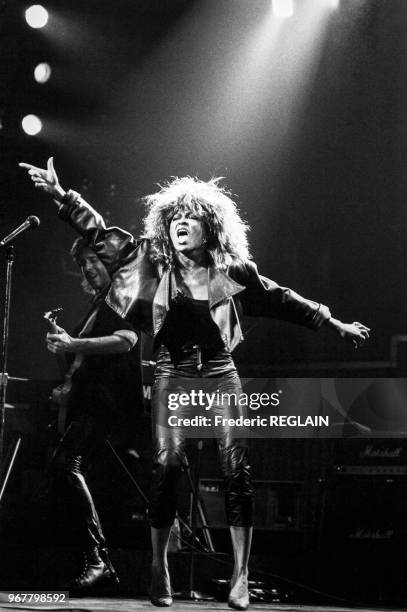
{"x":61,"y":342}
{"x":45,"y":179}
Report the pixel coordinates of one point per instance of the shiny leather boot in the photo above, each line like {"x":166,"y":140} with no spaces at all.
{"x":97,"y":572}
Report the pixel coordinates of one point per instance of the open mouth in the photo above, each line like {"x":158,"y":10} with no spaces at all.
{"x":182,"y":232}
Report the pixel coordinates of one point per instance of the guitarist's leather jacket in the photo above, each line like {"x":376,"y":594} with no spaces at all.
{"x":141,"y":290}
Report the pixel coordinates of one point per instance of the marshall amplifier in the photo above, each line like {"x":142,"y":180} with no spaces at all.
{"x":363,"y":526}
{"x":363,"y":532}
{"x":381,"y":457}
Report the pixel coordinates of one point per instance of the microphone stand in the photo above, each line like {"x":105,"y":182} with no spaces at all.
{"x":4,"y":377}
{"x":191,"y":594}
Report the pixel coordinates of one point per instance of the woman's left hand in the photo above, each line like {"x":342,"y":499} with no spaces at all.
{"x":355,"y":332}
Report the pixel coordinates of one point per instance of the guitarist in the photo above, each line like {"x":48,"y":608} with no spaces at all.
{"x":105,"y":388}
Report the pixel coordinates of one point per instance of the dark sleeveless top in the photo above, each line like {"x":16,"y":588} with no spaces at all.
{"x":189,"y":323}
{"x":189,"y":337}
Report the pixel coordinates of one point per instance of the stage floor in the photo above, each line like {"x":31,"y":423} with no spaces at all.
{"x":129,"y":605}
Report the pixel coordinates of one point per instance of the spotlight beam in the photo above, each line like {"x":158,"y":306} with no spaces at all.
{"x":283,"y":8}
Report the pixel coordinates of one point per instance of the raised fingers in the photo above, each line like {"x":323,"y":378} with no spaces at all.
{"x":50,"y":165}
{"x":30,"y":167}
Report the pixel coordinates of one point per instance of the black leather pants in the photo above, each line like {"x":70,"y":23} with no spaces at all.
{"x":83,"y":437}
{"x":169,"y":449}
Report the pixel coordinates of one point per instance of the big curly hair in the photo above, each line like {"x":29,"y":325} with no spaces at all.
{"x":226,"y":232}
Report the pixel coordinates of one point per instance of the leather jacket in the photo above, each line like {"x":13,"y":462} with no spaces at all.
{"x":141,"y":290}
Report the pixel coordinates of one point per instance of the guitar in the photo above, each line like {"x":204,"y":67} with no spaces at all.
{"x":51,"y":317}
{"x":60,"y":394}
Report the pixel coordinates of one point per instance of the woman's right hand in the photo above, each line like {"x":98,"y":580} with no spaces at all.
{"x":45,"y":179}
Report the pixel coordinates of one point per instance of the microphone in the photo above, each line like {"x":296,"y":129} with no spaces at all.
{"x":31,"y":222}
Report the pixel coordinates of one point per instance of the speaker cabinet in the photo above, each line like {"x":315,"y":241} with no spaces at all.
{"x":277,"y":504}
{"x":364,"y":537}
{"x":278,"y":518}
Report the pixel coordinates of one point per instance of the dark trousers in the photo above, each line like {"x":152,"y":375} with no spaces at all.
{"x":169,"y":445}
{"x":84,"y":437}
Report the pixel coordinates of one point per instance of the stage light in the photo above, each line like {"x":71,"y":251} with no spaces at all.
{"x":283,"y":8}
{"x":31,"y":125}
{"x":36,"y":16}
{"x":333,"y":4}
{"x":42,"y":72}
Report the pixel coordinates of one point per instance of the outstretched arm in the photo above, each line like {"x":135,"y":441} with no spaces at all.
{"x":263,"y":297}
{"x":71,"y":207}
{"x":112,"y":245}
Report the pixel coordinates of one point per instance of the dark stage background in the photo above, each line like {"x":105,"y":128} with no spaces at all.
{"x":305,"y":118}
